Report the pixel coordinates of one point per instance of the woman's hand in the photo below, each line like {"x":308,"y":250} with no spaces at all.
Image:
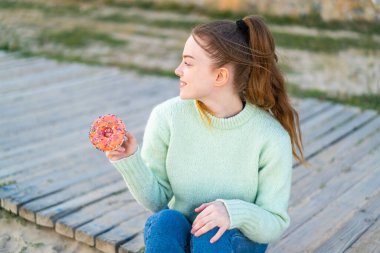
{"x":212,"y":214}
{"x":126,"y":149}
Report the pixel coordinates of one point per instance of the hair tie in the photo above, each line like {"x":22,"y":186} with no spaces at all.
{"x":242,"y":25}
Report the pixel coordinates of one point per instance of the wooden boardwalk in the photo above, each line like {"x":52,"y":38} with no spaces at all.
{"x":51,"y":175}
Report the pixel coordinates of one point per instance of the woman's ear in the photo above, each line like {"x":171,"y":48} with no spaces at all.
{"x":222,"y":76}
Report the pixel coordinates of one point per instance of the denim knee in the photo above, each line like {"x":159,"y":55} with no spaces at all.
{"x":231,"y":241}
{"x":167,"y":223}
{"x":240,"y":243}
{"x":202,"y":243}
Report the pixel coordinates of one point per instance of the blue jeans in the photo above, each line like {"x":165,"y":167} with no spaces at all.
{"x":168,"y":231}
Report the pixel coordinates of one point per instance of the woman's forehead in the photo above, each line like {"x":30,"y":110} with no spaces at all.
{"x":193,"y":49}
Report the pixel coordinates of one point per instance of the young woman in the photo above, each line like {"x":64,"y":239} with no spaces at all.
{"x":216,"y":163}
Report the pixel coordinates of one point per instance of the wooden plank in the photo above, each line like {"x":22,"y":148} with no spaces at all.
{"x":43,"y":78}
{"x":47,"y":217}
{"x":74,"y":105}
{"x":50,"y":185}
{"x":69,"y":117}
{"x":304,"y":106}
{"x":315,"y":110}
{"x":7,"y":61}
{"x":351,"y":231}
{"x":66,"y":226}
{"x":45,"y":161}
{"x":24,"y":123}
{"x":369,"y":242}
{"x":338,"y":148}
{"x":44,"y":89}
{"x":318,"y":175}
{"x":17,"y":169}
{"x":68,"y":90}
{"x":21,"y":73}
{"x":26,"y":187}
{"x":5,"y":57}
{"x":93,"y":158}
{"x":322,"y":226}
{"x":13,"y":102}
{"x":88,"y":232}
{"x":338,"y":133}
{"x":83,"y":91}
{"x":329,"y":190}
{"x":328,"y":125}
{"x":81,"y":117}
{"x":50,"y":163}
{"x":16,"y":67}
{"x":29,"y":209}
{"x":307,"y":104}
{"x":352,"y":139}
{"x":136,"y":244}
{"x":110,"y":241}
{"x":29,"y":133}
{"x":322,"y":117}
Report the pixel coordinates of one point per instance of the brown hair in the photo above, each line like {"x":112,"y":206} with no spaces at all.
{"x":257,"y":77}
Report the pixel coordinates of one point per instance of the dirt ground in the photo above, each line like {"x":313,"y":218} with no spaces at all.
{"x":20,"y":236}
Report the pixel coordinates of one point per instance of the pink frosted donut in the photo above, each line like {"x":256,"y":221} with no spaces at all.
{"x":107,"y":132}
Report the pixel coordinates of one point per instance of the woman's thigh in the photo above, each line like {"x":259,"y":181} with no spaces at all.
{"x":240,"y":243}
{"x":167,"y":229}
{"x":231,"y":241}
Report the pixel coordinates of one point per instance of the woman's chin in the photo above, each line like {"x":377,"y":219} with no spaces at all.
{"x":183,"y":96}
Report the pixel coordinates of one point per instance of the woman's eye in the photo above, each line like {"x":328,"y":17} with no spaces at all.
{"x":187,"y":64}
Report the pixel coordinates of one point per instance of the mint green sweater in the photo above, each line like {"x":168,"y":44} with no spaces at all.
{"x":245,"y":161}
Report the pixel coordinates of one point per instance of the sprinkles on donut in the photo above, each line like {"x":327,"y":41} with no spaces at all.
{"x":107,"y":132}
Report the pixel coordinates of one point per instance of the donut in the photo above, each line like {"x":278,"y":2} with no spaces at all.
{"x":107,"y":132}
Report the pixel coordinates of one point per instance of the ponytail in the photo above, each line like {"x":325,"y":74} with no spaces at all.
{"x":266,"y":85}
{"x":249,"y":45}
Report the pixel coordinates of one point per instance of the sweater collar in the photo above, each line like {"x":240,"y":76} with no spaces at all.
{"x":235,"y":121}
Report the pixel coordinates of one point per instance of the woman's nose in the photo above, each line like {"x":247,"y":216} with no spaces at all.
{"x":178,"y":71}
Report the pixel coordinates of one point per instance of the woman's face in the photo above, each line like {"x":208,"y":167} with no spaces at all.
{"x":197,"y":76}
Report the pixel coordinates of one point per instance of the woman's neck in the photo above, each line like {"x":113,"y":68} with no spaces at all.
{"x":225,"y":108}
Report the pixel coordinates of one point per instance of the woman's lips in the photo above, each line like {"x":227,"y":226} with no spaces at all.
{"x":181,"y":84}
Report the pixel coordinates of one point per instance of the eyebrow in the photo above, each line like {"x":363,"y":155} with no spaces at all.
{"x":189,"y":56}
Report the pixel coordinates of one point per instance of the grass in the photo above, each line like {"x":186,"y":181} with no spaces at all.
{"x":126,"y":66}
{"x":136,"y":19}
{"x":367,"y":101}
{"x":323,"y":43}
{"x":8,"y":216}
{"x":5,"y":183}
{"x":49,"y":10}
{"x":81,"y":37}
{"x":286,"y":40}
{"x":310,"y":20}
{"x":78,"y":37}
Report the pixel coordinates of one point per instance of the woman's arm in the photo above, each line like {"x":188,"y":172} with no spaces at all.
{"x":144,"y":171}
{"x":267,"y":219}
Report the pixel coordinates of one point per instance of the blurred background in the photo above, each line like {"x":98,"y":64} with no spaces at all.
{"x":327,"y":49}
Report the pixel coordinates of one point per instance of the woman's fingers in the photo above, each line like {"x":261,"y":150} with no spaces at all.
{"x":120,"y":149}
{"x":218,"y":234}
{"x":127,"y":148}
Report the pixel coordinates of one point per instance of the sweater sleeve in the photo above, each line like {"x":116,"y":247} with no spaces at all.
{"x":145,"y":171}
{"x":267,"y":219}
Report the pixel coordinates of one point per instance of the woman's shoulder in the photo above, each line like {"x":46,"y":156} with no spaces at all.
{"x":270,"y":125}
{"x":173,"y":106}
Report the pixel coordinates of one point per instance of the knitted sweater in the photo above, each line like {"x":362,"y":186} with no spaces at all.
{"x":245,"y":161}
